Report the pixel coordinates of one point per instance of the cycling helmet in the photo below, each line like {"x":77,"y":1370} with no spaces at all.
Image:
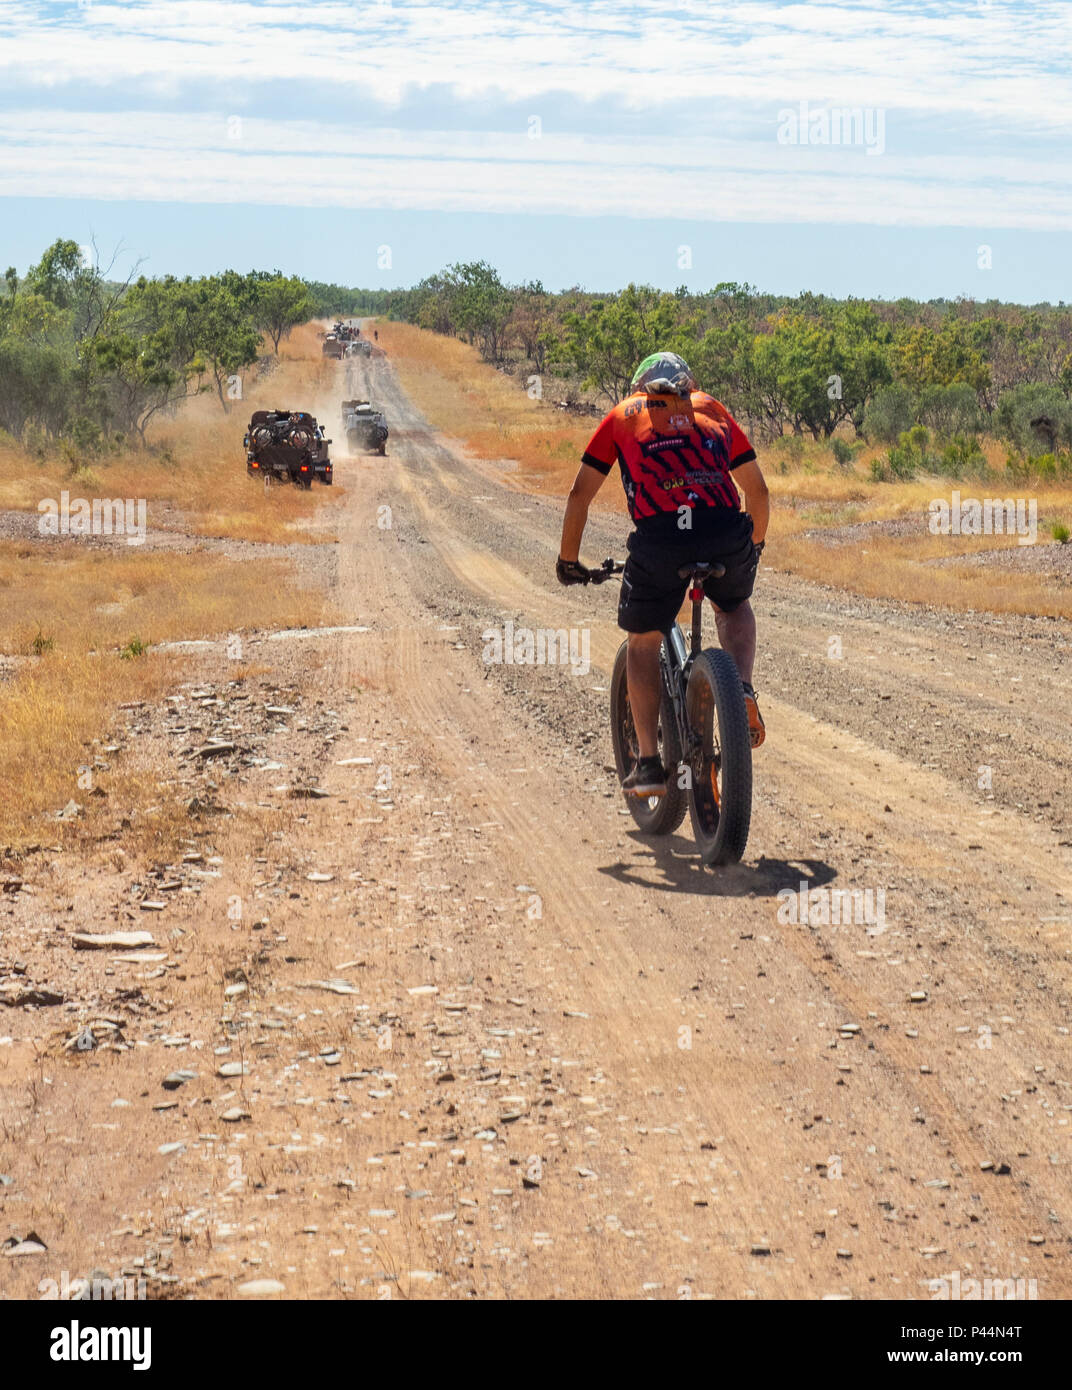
{"x":663,"y":373}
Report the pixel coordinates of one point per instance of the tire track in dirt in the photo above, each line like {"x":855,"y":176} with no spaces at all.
{"x":430,"y":693}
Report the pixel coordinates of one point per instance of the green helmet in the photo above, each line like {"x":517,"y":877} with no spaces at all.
{"x":663,"y":373}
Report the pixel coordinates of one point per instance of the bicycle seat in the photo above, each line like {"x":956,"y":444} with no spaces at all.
{"x":701,"y":570}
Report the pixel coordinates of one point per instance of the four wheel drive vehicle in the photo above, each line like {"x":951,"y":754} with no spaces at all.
{"x":365,"y":427}
{"x":287,"y":446}
{"x":332,"y":346}
{"x":347,"y":332}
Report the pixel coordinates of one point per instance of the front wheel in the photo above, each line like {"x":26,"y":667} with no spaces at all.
{"x":656,"y":815}
{"x":720,"y":797}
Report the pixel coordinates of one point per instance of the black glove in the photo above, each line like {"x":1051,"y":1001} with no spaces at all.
{"x":571,"y":572}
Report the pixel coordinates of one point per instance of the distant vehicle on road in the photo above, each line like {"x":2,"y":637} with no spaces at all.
{"x":365,"y":426}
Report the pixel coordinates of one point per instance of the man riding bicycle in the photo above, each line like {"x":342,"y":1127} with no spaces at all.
{"x":680,"y":453}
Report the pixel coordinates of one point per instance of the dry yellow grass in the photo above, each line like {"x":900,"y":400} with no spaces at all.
{"x":492,"y":416}
{"x":69,"y":609}
{"x":84,"y":600}
{"x":196,"y":465}
{"x":896,"y":567}
{"x":50,"y":711}
{"x":57,"y":716}
{"x":81,"y":611}
{"x":489,"y":413}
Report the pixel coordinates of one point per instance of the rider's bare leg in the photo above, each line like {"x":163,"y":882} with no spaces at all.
{"x":736,"y":635}
{"x":642,"y":673}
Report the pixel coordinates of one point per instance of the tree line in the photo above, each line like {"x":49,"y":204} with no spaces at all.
{"x":85,"y":356}
{"x":89,"y":358}
{"x":807,"y":365}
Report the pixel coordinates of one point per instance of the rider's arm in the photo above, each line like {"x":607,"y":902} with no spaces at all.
{"x":585,"y":486}
{"x":749,"y":478}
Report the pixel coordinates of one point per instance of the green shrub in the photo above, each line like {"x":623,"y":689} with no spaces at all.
{"x":911,"y":455}
{"x":1035,"y":419}
{"x":880,"y":470}
{"x":1039,"y":468}
{"x":889,"y":413}
{"x":35,"y":442}
{"x":38,"y":389}
{"x":1059,"y":531}
{"x":843,"y":452}
{"x":134,"y":648}
{"x":80,"y":473}
{"x":86,"y":436}
{"x":1045,"y":466}
{"x":951,"y":410}
{"x":791,"y":445}
{"x":962,"y":456}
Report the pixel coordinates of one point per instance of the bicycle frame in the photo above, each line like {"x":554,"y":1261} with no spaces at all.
{"x":676,"y":660}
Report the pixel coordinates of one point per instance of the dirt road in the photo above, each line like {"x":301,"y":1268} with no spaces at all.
{"x":501,"y":1045}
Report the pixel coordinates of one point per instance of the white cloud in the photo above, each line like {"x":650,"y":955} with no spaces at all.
{"x":968,"y":57}
{"x":956,"y":80}
{"x":157,"y":156}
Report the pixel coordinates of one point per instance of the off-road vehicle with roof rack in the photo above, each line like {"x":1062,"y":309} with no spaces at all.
{"x":287,"y":446}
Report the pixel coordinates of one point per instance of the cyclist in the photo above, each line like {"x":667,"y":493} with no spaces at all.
{"x":680,"y":453}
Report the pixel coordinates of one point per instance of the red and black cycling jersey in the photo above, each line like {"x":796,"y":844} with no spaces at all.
{"x":673,"y":453}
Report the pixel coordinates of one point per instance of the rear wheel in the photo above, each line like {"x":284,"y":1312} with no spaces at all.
{"x":720,"y":799}
{"x":656,"y":815}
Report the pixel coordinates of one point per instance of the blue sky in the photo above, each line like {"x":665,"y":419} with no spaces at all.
{"x":874,"y":149}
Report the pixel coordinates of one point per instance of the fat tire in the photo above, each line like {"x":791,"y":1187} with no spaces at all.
{"x":668,"y":811}
{"x":714,"y":693}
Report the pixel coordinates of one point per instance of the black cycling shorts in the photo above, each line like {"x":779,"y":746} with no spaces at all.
{"x":652,"y":593}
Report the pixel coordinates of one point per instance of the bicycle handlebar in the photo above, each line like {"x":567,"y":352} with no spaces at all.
{"x":607,"y":570}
